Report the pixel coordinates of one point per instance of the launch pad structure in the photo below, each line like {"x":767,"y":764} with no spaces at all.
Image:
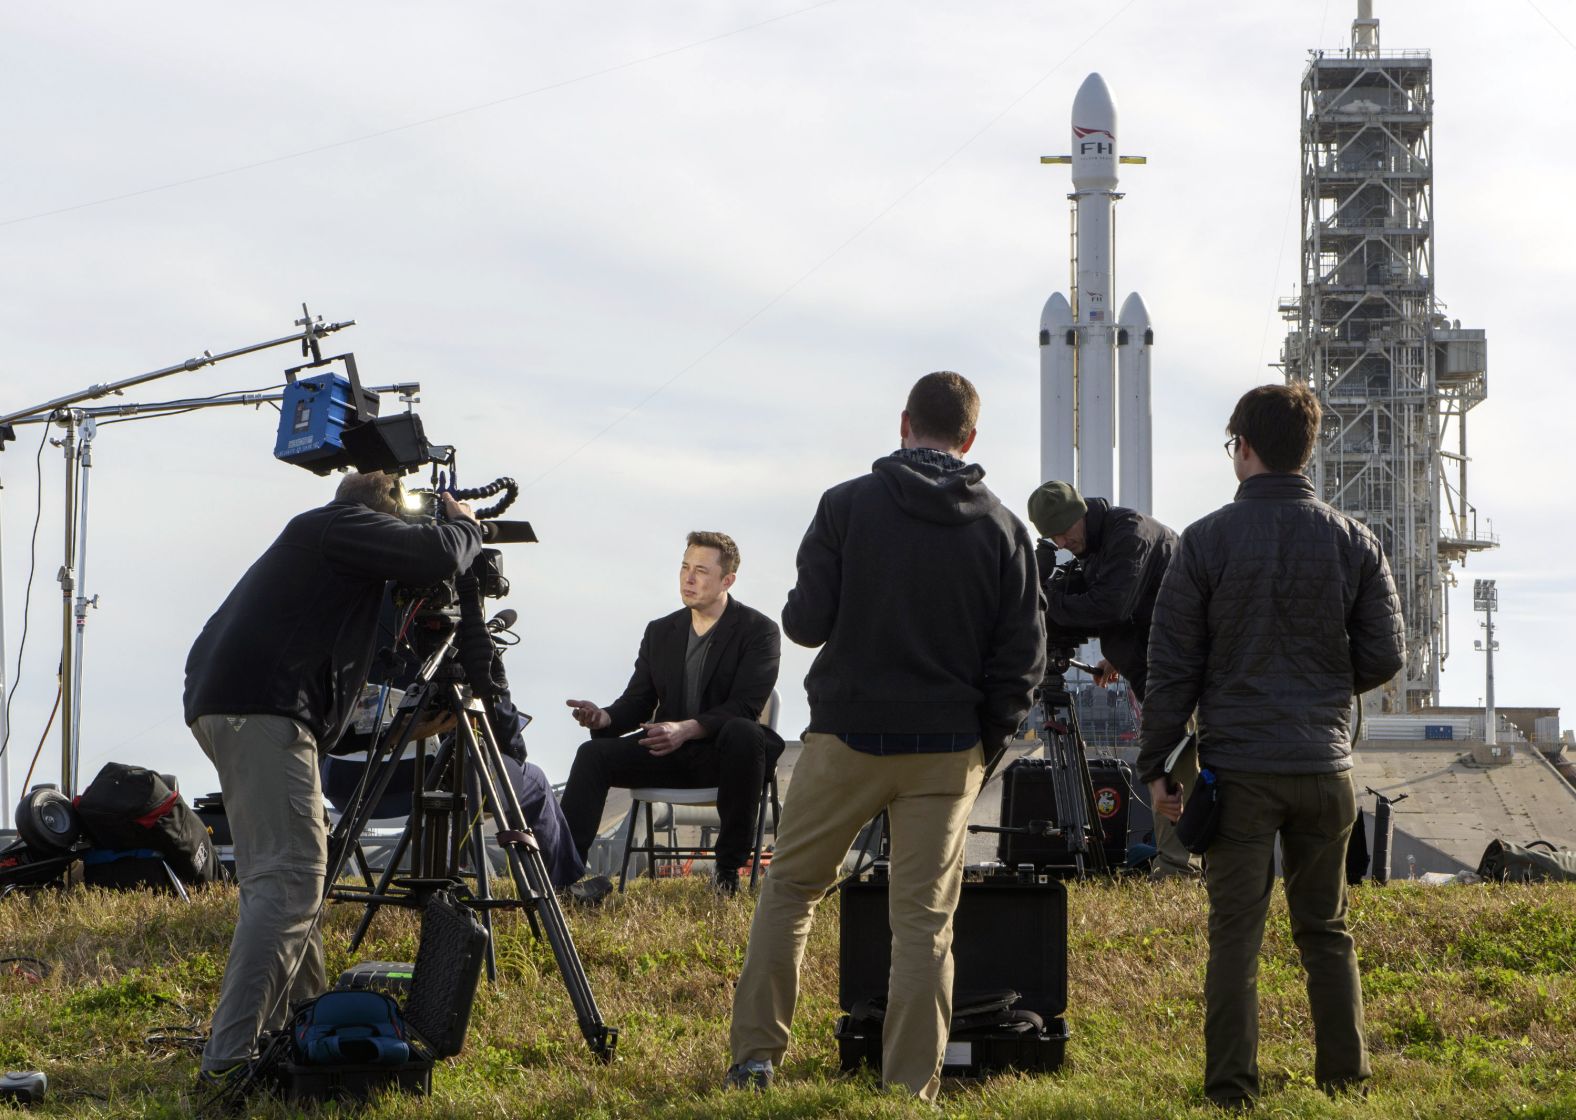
{"x":1396,"y":377}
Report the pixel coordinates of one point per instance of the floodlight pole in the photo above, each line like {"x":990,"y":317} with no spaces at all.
{"x":1490,"y":717}
{"x":67,"y":576}
{"x":1485,"y":598}
{"x":80,"y":603}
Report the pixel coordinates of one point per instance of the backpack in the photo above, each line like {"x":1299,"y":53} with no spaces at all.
{"x":1517,"y":863}
{"x":350,"y":1027}
{"x":129,"y":808}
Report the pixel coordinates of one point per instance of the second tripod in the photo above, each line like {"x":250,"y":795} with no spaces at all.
{"x":1050,"y":818}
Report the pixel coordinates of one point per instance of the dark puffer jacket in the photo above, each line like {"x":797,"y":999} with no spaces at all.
{"x":1276,"y":610}
{"x":1124,"y":560}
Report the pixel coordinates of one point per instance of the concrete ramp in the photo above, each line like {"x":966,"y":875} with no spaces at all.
{"x":1459,"y":798}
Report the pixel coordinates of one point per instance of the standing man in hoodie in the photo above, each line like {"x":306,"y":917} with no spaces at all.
{"x":920,"y":589}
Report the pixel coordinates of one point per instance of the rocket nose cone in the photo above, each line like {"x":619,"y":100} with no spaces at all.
{"x":1094,"y":107}
{"x":1056,"y":314}
{"x":1134,"y":313}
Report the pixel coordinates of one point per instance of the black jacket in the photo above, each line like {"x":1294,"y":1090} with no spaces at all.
{"x":1277,"y":609}
{"x":921,"y":589}
{"x":737,"y":680}
{"x":295,"y":637}
{"x":1124,"y":560}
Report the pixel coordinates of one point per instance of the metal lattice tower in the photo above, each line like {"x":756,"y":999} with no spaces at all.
{"x":1394,"y":376}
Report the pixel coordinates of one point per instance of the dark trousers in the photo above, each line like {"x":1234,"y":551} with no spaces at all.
{"x":734,"y":761}
{"x":1313,"y":814}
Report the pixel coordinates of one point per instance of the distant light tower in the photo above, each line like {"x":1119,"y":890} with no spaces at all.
{"x":1485,"y":598}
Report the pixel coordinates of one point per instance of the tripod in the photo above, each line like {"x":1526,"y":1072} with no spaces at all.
{"x":1072,"y":788}
{"x":1071,"y":784}
{"x":467,"y":777}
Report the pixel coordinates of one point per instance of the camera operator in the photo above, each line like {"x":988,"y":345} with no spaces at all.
{"x":1122,"y":556}
{"x":270,"y":683}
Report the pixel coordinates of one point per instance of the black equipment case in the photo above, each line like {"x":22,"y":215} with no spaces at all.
{"x":439,"y":989}
{"x":1028,"y":793}
{"x":1009,"y":936}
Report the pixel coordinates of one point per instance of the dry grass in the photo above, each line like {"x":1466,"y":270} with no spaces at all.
{"x":1471,"y":1009}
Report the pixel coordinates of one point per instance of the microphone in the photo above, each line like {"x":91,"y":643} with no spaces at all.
{"x":503,"y":620}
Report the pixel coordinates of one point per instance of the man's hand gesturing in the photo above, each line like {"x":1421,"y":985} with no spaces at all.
{"x":588,"y":715}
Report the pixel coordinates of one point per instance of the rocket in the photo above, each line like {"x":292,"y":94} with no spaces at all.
{"x":1094,"y":359}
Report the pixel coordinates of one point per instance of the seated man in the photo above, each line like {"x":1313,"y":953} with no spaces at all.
{"x":702,"y":677}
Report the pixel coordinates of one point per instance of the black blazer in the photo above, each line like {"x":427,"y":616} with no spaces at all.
{"x":737,"y":681}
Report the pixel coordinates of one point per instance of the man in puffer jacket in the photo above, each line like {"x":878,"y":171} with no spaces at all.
{"x":1277,"y":609}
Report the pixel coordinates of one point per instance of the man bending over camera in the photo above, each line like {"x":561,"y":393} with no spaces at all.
{"x":270,"y":683}
{"x":1123,"y":555}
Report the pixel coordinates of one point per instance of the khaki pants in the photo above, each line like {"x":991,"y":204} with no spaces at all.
{"x":273,"y":798}
{"x":1313,"y":815}
{"x":835,"y":791}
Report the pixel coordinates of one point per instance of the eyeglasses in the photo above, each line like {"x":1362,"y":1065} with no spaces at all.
{"x":1231,"y":446}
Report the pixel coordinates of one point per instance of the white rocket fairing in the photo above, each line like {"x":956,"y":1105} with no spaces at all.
{"x":1086,"y":370}
{"x":1057,"y":402}
{"x":1134,"y":436}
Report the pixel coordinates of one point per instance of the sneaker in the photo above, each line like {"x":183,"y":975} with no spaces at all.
{"x":224,"y":1091}
{"x":591,"y":890}
{"x":726,"y":881}
{"x":215,"y":1080}
{"x":753,"y":1074}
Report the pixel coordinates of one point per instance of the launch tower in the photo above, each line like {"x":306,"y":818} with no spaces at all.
{"x":1396,"y":378}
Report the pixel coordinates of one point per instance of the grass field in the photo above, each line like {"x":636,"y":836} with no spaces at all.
{"x":1471,"y":995}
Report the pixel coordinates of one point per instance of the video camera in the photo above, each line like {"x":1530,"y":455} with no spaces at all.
{"x":1061,"y":642}
{"x":329,"y":421}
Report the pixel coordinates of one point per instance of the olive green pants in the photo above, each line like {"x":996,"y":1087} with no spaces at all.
{"x":1313,"y":816}
{"x":835,"y":791}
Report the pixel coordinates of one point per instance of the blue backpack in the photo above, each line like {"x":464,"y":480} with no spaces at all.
{"x":351,"y":1028}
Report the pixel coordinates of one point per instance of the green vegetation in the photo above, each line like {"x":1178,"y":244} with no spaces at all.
{"x":1471,"y":1010}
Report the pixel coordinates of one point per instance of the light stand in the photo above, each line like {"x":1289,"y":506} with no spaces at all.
{"x":80,"y":427}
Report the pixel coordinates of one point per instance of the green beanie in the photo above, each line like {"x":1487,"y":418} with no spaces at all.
{"x":1055,"y":508}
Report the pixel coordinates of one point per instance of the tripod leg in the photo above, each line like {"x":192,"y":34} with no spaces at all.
{"x":409,"y":836}
{"x":531,"y":878}
{"x":478,"y":843}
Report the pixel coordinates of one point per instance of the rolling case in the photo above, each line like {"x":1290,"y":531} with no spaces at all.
{"x":1027,"y":794}
{"x":1009,"y":953}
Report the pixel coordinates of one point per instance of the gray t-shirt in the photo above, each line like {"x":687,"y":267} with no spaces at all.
{"x":694,"y":664}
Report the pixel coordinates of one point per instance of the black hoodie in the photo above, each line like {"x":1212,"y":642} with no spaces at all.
{"x":920,"y":588}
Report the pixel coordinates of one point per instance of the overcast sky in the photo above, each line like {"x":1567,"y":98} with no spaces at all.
{"x":675,"y":266}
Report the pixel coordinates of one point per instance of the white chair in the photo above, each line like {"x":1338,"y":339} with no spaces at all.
{"x":702,"y":797}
